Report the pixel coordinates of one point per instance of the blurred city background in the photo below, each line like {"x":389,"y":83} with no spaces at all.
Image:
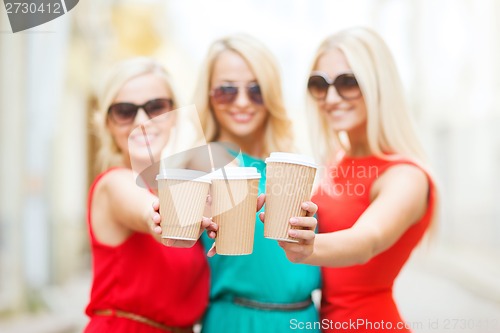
{"x":448,"y":54}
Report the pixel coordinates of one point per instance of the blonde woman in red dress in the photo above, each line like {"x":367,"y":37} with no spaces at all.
{"x":377,"y":197}
{"x":139,"y":285}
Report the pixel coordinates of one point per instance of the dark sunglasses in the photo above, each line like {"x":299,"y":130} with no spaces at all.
{"x":346,"y":85}
{"x":227,"y":93}
{"x":125,"y":113}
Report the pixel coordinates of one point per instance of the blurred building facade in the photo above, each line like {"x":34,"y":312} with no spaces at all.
{"x":447,"y":51}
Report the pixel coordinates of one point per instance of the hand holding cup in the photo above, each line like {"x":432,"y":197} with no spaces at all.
{"x":303,"y":232}
{"x":155,"y":223}
{"x":290,"y":179}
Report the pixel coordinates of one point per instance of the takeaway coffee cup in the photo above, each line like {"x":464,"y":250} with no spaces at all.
{"x":234,"y":193}
{"x":183,"y":195}
{"x":289,"y":181}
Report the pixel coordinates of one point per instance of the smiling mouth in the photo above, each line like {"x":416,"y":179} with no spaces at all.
{"x":143,"y":140}
{"x":242,"y":117}
{"x":338,"y":113}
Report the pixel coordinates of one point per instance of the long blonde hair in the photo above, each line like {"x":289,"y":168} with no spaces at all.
{"x":278,"y":135}
{"x":390,"y":130}
{"x":108,"y":154}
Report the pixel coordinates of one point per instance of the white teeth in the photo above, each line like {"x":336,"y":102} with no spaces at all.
{"x":242,"y":117}
{"x":338,"y":112}
{"x":143,"y":140}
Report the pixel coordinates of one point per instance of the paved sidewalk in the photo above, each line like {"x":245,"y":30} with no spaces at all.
{"x":436,"y":299}
{"x":41,"y":323}
{"x":432,"y":298}
{"x":66,"y":315}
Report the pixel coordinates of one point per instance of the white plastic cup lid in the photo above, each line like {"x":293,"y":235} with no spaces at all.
{"x":235,"y":173}
{"x":184,"y":174}
{"x":280,"y":157}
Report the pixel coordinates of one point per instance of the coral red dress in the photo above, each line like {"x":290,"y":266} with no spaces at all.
{"x":359,"y":298}
{"x":160,"y":286}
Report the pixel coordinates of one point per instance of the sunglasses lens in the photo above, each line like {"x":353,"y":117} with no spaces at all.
{"x":158,"y":107}
{"x":255,"y":94}
{"x":123,"y":113}
{"x":347,"y":86}
{"x":317,"y":86}
{"x":224,"y":94}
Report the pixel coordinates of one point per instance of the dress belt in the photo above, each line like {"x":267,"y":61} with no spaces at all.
{"x":143,"y":320}
{"x":273,"y":306}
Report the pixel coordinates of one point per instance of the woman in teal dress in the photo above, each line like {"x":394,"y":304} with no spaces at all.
{"x":240,"y":101}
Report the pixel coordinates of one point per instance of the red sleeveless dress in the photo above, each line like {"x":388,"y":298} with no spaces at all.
{"x":359,"y":298}
{"x":143,"y":277}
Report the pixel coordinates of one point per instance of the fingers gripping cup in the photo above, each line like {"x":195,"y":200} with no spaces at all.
{"x":234,"y":193}
{"x":183,"y":194}
{"x":290,"y":178}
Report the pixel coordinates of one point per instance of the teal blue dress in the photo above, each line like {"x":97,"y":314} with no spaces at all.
{"x":265,"y":276}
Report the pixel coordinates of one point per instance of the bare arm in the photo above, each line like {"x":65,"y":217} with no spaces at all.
{"x":399,"y":199}
{"x":120,"y":207}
